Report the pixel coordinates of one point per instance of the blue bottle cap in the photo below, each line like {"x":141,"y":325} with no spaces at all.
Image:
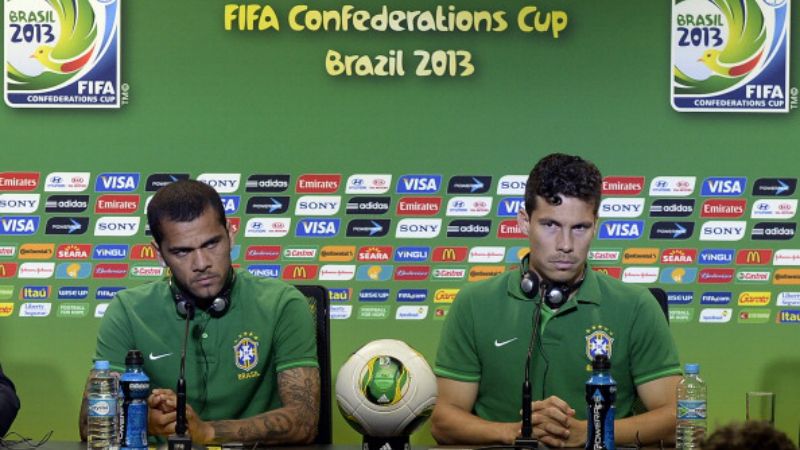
{"x":692,"y":369}
{"x":101,"y":365}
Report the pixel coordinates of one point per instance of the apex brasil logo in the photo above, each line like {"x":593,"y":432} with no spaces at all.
{"x":62,"y":53}
{"x":730,"y":55}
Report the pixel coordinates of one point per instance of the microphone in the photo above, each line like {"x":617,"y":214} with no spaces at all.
{"x":530,"y":285}
{"x":180,"y":440}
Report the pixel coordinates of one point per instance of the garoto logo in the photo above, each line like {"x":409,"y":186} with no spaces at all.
{"x":62,"y":54}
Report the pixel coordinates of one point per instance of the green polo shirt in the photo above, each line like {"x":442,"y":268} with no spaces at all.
{"x":486,"y":334}
{"x":232,"y":362}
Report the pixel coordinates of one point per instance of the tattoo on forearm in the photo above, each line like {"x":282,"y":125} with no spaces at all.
{"x":295,"y":422}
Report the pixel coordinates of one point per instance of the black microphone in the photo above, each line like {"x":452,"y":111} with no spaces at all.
{"x":527,"y":440}
{"x":180,"y":440}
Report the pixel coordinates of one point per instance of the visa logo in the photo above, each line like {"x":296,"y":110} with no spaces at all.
{"x":19,"y":225}
{"x":117,"y":182}
{"x":411,"y":254}
{"x":230,"y":203}
{"x":419,"y":184}
{"x":723,"y":186}
{"x":621,"y":229}
{"x":509,"y":207}
{"x":318,"y":227}
{"x":716,"y":256}
{"x":110,"y":251}
{"x":107,"y":293}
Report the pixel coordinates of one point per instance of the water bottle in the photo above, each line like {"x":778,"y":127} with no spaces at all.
{"x":134,"y":389}
{"x":102,"y":411}
{"x":691,"y":427}
{"x":601,"y":392}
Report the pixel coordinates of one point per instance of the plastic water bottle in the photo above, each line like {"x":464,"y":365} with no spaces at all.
{"x":691,"y":393}
{"x":601,"y":392}
{"x":102,"y":414}
{"x":134,"y":389}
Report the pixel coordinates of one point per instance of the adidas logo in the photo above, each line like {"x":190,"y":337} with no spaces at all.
{"x":385,"y":446}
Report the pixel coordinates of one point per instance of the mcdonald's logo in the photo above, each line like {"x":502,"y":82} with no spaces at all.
{"x":450,"y":254}
{"x":143,"y":252}
{"x":613,"y":272}
{"x":754,"y":257}
{"x":8,"y":270}
{"x":300,"y":272}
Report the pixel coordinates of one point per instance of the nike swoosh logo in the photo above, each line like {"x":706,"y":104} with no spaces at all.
{"x":157,"y":357}
{"x":500,"y":344}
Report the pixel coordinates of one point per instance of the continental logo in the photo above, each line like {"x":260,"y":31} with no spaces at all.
{"x":300,"y":272}
{"x":478,"y":273}
{"x":445,"y":295}
{"x":640,"y":256}
{"x":679,"y":256}
{"x":36,"y":251}
{"x":786,"y":276}
{"x":6,"y":309}
{"x":613,"y":272}
{"x":337,"y":253}
{"x":755,"y":298}
{"x":753,"y":257}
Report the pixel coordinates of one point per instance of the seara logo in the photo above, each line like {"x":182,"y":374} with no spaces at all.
{"x":730,"y":55}
{"x":62,"y":54}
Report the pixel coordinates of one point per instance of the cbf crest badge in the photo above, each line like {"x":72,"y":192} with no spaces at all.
{"x":62,"y":53}
{"x":599,"y":341}
{"x":731,"y":55}
{"x":246,"y":351}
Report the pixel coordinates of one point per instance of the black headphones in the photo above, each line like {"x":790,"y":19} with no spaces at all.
{"x":185,"y":302}
{"x":554,"y":294}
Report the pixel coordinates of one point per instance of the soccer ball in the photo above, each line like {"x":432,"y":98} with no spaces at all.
{"x":386,"y":389}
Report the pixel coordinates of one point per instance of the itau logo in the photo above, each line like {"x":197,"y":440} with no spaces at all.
{"x":62,"y":53}
{"x":730,"y":55}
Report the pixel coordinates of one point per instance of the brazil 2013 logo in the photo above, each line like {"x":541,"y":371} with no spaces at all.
{"x":62,"y":53}
{"x":730,"y":55}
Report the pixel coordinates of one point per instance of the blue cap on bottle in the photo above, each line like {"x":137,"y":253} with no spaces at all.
{"x":101,"y":365}
{"x":692,"y":369}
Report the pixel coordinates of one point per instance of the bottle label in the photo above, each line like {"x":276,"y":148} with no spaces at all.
{"x":600,"y":415}
{"x":102,"y":407}
{"x":134,"y":425}
{"x":691,"y":409}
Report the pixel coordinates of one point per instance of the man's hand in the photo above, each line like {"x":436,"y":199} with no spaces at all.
{"x":554,"y":423}
{"x":162,"y":414}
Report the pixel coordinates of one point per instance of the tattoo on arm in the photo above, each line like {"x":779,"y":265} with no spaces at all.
{"x":294,"y":423}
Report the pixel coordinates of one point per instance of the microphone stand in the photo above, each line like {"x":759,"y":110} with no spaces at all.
{"x":527,"y":440}
{"x":180,"y":440}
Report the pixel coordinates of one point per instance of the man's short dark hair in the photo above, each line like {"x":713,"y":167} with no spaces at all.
{"x":748,"y":436}
{"x":559,"y":174}
{"x":182,"y":201}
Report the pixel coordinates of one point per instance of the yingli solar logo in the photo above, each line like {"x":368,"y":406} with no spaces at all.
{"x":318,"y":183}
{"x":623,"y":185}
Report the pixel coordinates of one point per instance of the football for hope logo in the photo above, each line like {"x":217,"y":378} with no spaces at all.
{"x":62,"y":53}
{"x":730,"y":55}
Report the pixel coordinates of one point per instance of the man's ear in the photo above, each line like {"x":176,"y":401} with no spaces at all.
{"x":523,"y":221}
{"x":231,"y":234}
{"x":158,"y":253}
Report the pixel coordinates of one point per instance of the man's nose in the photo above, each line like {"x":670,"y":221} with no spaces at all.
{"x":201,"y":261}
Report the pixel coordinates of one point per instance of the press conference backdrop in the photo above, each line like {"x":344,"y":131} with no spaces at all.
{"x":395,"y":191}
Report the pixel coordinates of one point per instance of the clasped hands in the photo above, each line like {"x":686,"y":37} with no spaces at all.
{"x":162,"y":418}
{"x":555,"y":425}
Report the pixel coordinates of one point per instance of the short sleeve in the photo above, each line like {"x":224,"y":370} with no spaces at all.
{"x":295,"y":334}
{"x":457,"y":357}
{"x":653,"y":351}
{"x":115,"y":337}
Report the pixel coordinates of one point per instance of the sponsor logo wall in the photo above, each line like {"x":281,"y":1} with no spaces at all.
{"x":393,"y":246}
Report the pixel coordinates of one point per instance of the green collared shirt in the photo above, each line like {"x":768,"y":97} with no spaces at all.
{"x":485,"y":340}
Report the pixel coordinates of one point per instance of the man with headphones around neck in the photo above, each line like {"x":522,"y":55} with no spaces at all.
{"x":251,"y":365}
{"x":485,"y":338}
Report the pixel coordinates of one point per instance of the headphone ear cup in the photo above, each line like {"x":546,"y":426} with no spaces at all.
{"x":218,"y":307}
{"x":529,"y":285}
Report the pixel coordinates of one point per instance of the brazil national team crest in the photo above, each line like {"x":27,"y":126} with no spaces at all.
{"x":599,"y":341}
{"x":730,"y":55}
{"x":246,"y":351}
{"x":62,"y":53}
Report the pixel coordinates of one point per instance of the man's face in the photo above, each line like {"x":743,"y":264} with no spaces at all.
{"x":198,"y":253}
{"x":559,"y":236}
